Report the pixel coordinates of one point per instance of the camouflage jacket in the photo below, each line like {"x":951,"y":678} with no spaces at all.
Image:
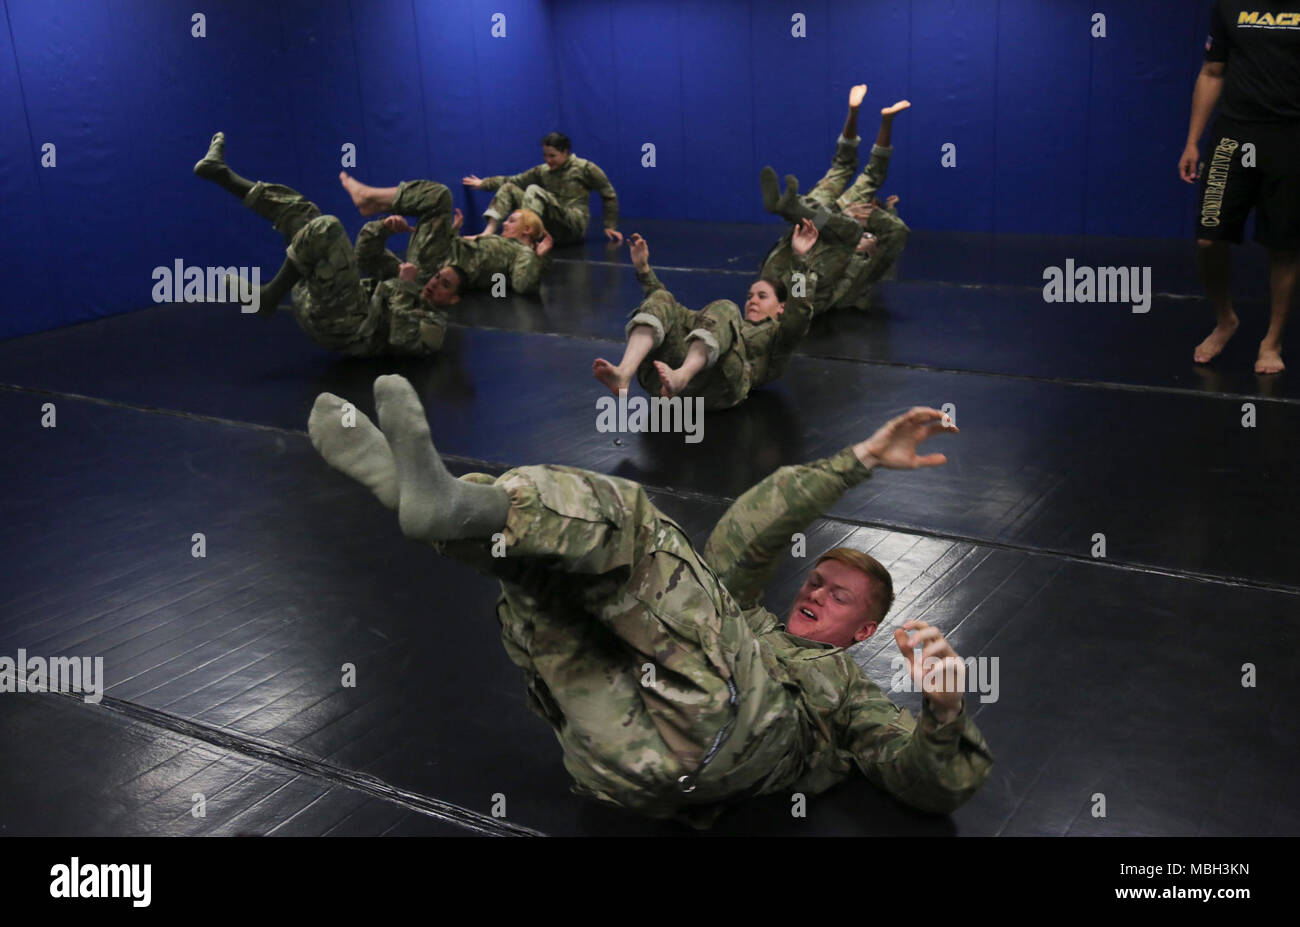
{"x":846,"y":722}
{"x":843,"y":278}
{"x":395,"y":320}
{"x":571,"y":184}
{"x":480,"y":258}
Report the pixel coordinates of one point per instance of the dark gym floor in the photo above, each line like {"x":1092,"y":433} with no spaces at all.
{"x":1119,"y":676}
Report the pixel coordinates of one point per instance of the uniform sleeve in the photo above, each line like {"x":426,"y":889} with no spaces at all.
{"x":798,"y":313}
{"x":531,"y":176}
{"x":414,"y":327}
{"x":923,"y":764}
{"x":596,"y":180}
{"x":891,"y":235}
{"x":373,"y":258}
{"x":1219,"y":45}
{"x":649,"y":282}
{"x":756,"y":531}
{"x":526,"y":271}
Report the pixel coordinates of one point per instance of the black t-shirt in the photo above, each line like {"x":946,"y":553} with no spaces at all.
{"x":1260,"y":42}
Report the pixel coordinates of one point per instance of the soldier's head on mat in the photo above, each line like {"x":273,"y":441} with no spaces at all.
{"x":843,"y":600}
{"x":443,"y":288}
{"x":766,"y":299}
{"x":555,"y":149}
{"x":524,"y":225}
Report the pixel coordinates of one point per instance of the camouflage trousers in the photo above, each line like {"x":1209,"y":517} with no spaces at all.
{"x":726,"y":379}
{"x":567,"y":224}
{"x":332,"y":304}
{"x":830,"y":191}
{"x":430,"y":246}
{"x":633,"y":650}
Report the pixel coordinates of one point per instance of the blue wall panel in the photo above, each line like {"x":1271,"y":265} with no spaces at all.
{"x":953,"y":92}
{"x":1056,"y":131}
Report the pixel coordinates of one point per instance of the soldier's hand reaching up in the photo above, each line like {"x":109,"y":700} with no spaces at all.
{"x":805,"y":236}
{"x":457,"y":220}
{"x":640,"y":250}
{"x":939,"y":672}
{"x":894,"y":445}
{"x":615,"y":236}
{"x":545,"y":245}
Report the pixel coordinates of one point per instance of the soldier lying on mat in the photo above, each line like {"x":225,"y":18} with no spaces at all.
{"x":718,"y":352}
{"x":673,"y":692}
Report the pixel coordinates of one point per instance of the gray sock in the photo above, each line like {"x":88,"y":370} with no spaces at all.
{"x":212,"y":166}
{"x":351,"y":444}
{"x":432,"y":504}
{"x":771,"y":188}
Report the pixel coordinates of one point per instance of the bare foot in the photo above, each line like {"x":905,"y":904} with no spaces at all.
{"x":891,"y":111}
{"x":674,"y":381}
{"x":857,"y":93}
{"x":610,"y":375}
{"x":1270,"y":360}
{"x":362,"y":197}
{"x":1209,"y":349}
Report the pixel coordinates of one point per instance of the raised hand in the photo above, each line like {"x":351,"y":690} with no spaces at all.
{"x":544,"y":246}
{"x":894,"y":444}
{"x":457,"y":219}
{"x":397,"y":225}
{"x":472,"y":181}
{"x":805,"y":236}
{"x":615,"y":236}
{"x":640,"y":251}
{"x":938,"y":672}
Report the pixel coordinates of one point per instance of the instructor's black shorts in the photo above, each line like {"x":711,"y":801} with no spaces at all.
{"x":1229,"y":190}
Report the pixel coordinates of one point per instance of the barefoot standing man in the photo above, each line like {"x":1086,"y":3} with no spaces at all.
{"x":1252,"y":66}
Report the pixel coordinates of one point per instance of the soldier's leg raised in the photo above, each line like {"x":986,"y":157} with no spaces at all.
{"x":566,"y":226}
{"x":329,"y":302}
{"x":658,"y":326}
{"x":652,"y":696}
{"x":432,"y":205}
{"x":873,"y":176}
{"x":509,"y":197}
{"x":711,"y":336}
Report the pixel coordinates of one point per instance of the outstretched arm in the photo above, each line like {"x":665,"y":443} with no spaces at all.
{"x":645,"y":275}
{"x":750,"y":538}
{"x":596,"y":180}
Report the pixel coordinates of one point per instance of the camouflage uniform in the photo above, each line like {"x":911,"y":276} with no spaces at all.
{"x":830,"y":192}
{"x":672,"y":691}
{"x":559,"y":196}
{"x":334,"y":304}
{"x":845,"y":278}
{"x":482,"y":258}
{"x":743,"y":355}
{"x":842,"y":278}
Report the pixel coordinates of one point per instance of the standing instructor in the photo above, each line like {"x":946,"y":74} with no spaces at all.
{"x":1252,"y":67}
